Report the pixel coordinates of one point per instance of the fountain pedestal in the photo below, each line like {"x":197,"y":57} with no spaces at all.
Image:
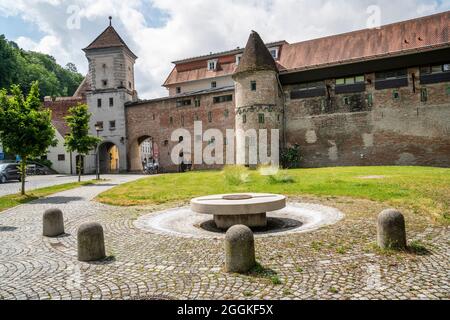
{"x":239,"y":209}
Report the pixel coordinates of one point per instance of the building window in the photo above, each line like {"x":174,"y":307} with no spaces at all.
{"x":99,"y":125}
{"x":197,"y":102}
{"x":111,"y":102}
{"x":346,"y":101}
{"x":99,"y":103}
{"x":391,"y":79}
{"x":129,"y":84}
{"x":105,"y":83}
{"x":308,"y":90}
{"x":370,"y":100}
{"x":423,"y":94}
{"x":274,"y":53}
{"x":435,"y":74}
{"x":170,"y":120}
{"x":61,"y":157}
{"x":238,"y":59}
{"x":212,"y":65}
{"x":226,"y":113}
{"x":166,"y":143}
{"x":184,"y":102}
{"x":153,"y":117}
{"x":253,"y":85}
{"x":349,"y":80}
{"x":396,"y":95}
{"x":112,"y":125}
{"x":178,"y":90}
{"x":261,"y":118}
{"x":244,"y":118}
{"x":214,"y":84}
{"x":222,"y":99}
{"x":209,"y":116}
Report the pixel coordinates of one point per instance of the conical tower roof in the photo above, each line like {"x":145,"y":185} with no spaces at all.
{"x":256,"y":56}
{"x":109,"y":38}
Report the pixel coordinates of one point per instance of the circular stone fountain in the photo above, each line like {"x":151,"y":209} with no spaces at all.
{"x":183,"y":222}
{"x":231,"y":209}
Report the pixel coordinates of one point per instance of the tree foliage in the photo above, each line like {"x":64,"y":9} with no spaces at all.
{"x":22,"y":67}
{"x":25,"y":126}
{"x":79,"y":140}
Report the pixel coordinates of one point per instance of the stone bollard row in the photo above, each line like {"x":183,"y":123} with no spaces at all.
{"x":391,"y":230}
{"x":239,"y":249}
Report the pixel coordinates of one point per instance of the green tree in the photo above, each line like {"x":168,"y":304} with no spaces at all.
{"x":79,"y":140}
{"x":25,"y":126}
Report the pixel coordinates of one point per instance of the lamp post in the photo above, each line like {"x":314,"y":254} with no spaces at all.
{"x":98,"y":129}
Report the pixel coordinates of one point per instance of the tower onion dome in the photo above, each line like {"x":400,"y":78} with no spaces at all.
{"x":256,"y":56}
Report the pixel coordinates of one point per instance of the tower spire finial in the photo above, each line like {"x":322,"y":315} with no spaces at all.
{"x":110,"y":21}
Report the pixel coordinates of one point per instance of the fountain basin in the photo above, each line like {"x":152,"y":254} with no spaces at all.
{"x":231,"y":209}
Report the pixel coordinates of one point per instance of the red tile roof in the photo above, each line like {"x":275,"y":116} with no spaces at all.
{"x":108,"y":39}
{"x":395,"y":39}
{"x":60,"y":109}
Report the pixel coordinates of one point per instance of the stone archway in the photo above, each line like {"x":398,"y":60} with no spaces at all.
{"x":108,"y":158}
{"x":142,"y":149}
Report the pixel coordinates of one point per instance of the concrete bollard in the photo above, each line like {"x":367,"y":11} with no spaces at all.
{"x":53,"y":223}
{"x":391,"y":231}
{"x":239,"y":249}
{"x":91,"y":242}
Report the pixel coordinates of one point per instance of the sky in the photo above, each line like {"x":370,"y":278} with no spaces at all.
{"x":162,"y":31}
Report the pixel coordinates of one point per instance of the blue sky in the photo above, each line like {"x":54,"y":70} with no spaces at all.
{"x":161,"y":31}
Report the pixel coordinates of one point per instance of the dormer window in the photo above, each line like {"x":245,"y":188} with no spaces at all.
{"x":274,"y":53}
{"x":238,"y":59}
{"x":212,"y":65}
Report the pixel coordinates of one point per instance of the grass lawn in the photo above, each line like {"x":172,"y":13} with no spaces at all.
{"x":423,"y":190}
{"x":10,"y":201}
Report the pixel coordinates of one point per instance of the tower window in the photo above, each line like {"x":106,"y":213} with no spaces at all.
{"x":153,"y":117}
{"x":112,"y":125}
{"x":99,"y":103}
{"x":244,"y":118}
{"x":261,"y":118}
{"x":178,"y":90}
{"x":105,"y":83}
{"x":214,"y":84}
{"x":396,"y":95}
{"x":129,"y":84}
{"x":253,"y":85}
{"x":99,"y":125}
{"x":111,"y":102}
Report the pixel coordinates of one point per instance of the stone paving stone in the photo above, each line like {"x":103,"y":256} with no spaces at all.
{"x":150,"y":266}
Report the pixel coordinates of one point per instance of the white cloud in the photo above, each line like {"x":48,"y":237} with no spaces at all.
{"x":196,"y":27}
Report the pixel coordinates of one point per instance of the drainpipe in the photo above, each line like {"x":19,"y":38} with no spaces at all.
{"x":284,"y":111}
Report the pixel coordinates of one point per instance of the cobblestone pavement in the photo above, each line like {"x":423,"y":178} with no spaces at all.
{"x":336,"y":262}
{"x":36,"y":182}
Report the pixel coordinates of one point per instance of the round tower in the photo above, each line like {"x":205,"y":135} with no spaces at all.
{"x":259,"y":104}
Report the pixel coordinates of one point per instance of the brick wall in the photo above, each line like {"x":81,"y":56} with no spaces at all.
{"x":152,"y":119}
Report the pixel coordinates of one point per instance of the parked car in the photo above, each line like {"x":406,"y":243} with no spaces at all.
{"x":36,"y":169}
{"x":8,"y":172}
